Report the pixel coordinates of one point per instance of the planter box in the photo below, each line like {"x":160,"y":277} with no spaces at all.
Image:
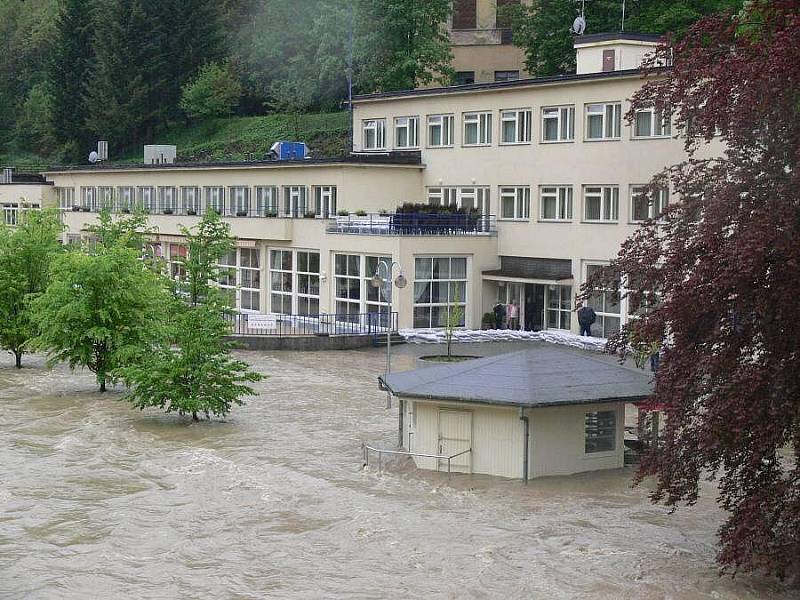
{"x":241,"y":213}
{"x":191,"y":213}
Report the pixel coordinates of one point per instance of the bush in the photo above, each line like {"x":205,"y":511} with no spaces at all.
{"x":215,"y":92}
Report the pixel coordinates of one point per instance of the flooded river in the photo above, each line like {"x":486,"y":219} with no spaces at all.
{"x":100,"y":501}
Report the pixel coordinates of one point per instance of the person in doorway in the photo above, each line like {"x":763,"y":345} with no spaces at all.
{"x":528,"y":314}
{"x":499,"y":312}
{"x":513,"y":315}
{"x":586,"y":318}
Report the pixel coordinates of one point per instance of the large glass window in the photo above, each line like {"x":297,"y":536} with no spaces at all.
{"x":374,"y":134}
{"x":215,"y":199}
{"x":440,"y":284}
{"x":606,"y":306}
{"x":250,"y":279}
{"x":644,"y":206}
{"x":601,"y":203}
{"x":89,"y":199}
{"x":281,"y":280}
{"x":167,"y":200}
{"x":440,"y":131}
{"x":240,"y":201}
{"x":227,"y":276}
{"x":603,"y":121}
{"x":515,"y":126}
{"x":267,"y":200}
{"x":295,"y":200}
{"x":443,"y":196}
{"x":601,"y":431}
{"x":190,"y":199}
{"x":406,"y":132}
{"x":66,"y":197}
{"x":307,"y":282}
{"x":558,"y":123}
{"x":325,"y":201}
{"x":347,"y":283}
{"x":651,"y":122}
{"x":477,"y":129}
{"x":105,"y":196}
{"x":475,"y":198}
{"x":125,"y":196}
{"x":10,"y":214}
{"x":555,"y":203}
{"x":515,"y":202}
{"x":559,"y":306}
{"x":146,"y":198}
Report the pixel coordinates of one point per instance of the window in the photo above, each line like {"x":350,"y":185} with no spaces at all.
{"x":558,"y":123}
{"x":295,"y":200}
{"x":227,"y":277}
{"x":377,"y":300}
{"x":601,"y":203}
{"x":606,"y":305}
{"x":464,"y":77}
{"x":89,"y":199}
{"x":559,"y":306}
{"x":240,"y":201}
{"x":66,"y":197}
{"x":10,"y":214}
{"x":167,"y":200}
{"x":307,"y":282}
{"x":515,"y":126}
{"x":603,"y":121}
{"x":644,"y":206}
{"x":440,"y":131}
{"x":146,"y":198}
{"x":601,"y":431}
{"x":105,"y":196}
{"x":651,"y":122}
{"x":440,"y":284}
{"x":506,"y":75}
{"x":477,"y":129}
{"x":190,"y":199}
{"x":347,"y":283}
{"x":267,"y":200}
{"x":215,"y":199}
{"x":406,"y":132}
{"x":374,"y":134}
{"x":250,"y":279}
{"x":515,"y":202}
{"x":125,"y":195}
{"x":281,"y":281}
{"x":443,"y":196}
{"x":475,"y":198}
{"x":325,"y":201}
{"x":465,"y":14}
{"x":177,"y":261}
{"x":555,"y":203}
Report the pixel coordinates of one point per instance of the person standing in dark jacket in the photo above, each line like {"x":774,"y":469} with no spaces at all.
{"x":586,"y":318}
{"x":499,"y":311}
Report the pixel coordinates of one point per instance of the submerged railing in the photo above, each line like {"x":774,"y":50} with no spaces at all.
{"x":366,"y":448}
{"x":324,"y":324}
{"x":415,"y":224}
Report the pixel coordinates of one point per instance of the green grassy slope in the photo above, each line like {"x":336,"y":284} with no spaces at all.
{"x":234,"y":138}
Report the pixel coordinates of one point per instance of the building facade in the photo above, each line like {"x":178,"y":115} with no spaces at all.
{"x":546,"y":172}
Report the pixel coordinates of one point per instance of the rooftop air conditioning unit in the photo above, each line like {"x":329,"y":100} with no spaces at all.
{"x":285,"y":150}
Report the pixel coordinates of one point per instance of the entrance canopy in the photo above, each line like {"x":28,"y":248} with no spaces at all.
{"x":539,"y":376}
{"x":532,"y":270}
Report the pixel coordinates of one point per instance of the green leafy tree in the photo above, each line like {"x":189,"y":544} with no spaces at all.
{"x":100,"y":311}
{"x":25,"y":256}
{"x":193,"y":373}
{"x":215,"y":92}
{"x":130,"y":231}
{"x":206,"y":244}
{"x":33,"y":130}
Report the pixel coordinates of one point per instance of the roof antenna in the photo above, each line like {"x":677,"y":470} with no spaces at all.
{"x":623,"y":16}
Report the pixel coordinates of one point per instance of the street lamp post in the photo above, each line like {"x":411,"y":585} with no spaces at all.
{"x":384,"y":285}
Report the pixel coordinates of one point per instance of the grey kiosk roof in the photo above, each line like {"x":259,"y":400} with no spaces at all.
{"x":539,"y":376}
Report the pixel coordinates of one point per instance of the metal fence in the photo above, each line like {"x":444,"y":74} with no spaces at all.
{"x":283,"y":325}
{"x":416,"y":224}
{"x":366,"y":449}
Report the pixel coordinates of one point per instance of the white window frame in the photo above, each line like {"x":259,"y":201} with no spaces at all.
{"x":446,"y":124}
{"x":563,"y":196}
{"x":562,"y":309}
{"x":11,"y":214}
{"x":609,"y":203}
{"x":452,"y":299}
{"x":325,"y":201}
{"x":306,"y":297}
{"x":660,"y":125}
{"x":521,"y":195}
{"x":66,"y":197}
{"x":610,"y":115}
{"x":564,"y":115}
{"x":89,"y":198}
{"x":105,"y":197}
{"x":482,"y":121}
{"x":146,"y":198}
{"x":443,"y":196}
{"x":240,"y":201}
{"x":479,"y":197}
{"x":295,"y":201}
{"x":410,"y":125}
{"x":522,"y":121}
{"x":253,"y":290}
{"x":126,"y":195}
{"x":601,"y":301}
{"x":592,"y":422}
{"x":267,"y":200}
{"x":375,"y":128}
{"x":190,"y":200}
{"x":167,"y":199}
{"x":654,"y":209}
{"x":215,"y":199}
{"x":283,"y":293}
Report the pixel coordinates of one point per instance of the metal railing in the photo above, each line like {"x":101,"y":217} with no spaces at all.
{"x":325,"y":324}
{"x":415,"y":224}
{"x":366,"y":448}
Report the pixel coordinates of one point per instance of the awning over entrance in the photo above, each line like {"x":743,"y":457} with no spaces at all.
{"x":533,"y":270}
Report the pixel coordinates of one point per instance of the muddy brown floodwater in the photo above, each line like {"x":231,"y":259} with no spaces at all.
{"x":101,"y":501}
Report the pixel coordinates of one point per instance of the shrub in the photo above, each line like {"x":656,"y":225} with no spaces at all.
{"x":214,"y":92}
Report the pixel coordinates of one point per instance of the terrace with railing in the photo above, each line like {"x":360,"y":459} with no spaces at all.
{"x":327,"y":324}
{"x":415,"y":223}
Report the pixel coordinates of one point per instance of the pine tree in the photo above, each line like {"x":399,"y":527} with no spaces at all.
{"x":70,"y":67}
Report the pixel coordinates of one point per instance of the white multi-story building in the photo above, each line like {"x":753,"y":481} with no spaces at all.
{"x":549,"y":167}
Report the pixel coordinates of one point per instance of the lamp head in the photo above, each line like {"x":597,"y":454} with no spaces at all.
{"x":376,"y":281}
{"x":401,"y":281}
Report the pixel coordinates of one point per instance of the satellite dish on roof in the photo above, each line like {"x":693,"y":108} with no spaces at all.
{"x":579,"y":25}
{"x":92,"y":157}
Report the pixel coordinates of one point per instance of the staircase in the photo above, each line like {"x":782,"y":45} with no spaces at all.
{"x":379,"y":341}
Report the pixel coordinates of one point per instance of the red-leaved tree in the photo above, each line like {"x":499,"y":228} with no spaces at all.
{"x":716,"y":281}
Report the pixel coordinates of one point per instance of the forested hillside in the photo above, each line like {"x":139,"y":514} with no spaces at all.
{"x":142,"y":71}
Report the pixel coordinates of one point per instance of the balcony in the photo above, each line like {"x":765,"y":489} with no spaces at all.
{"x":416,"y":224}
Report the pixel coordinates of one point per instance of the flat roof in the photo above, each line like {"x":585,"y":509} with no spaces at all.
{"x":536,"y":377}
{"x":385,"y":159}
{"x":501,"y":85}
{"x":621,"y":36}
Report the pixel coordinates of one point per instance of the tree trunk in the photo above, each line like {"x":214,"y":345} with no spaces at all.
{"x":102,"y":379}
{"x":194,"y":417}
{"x":18,"y":359}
